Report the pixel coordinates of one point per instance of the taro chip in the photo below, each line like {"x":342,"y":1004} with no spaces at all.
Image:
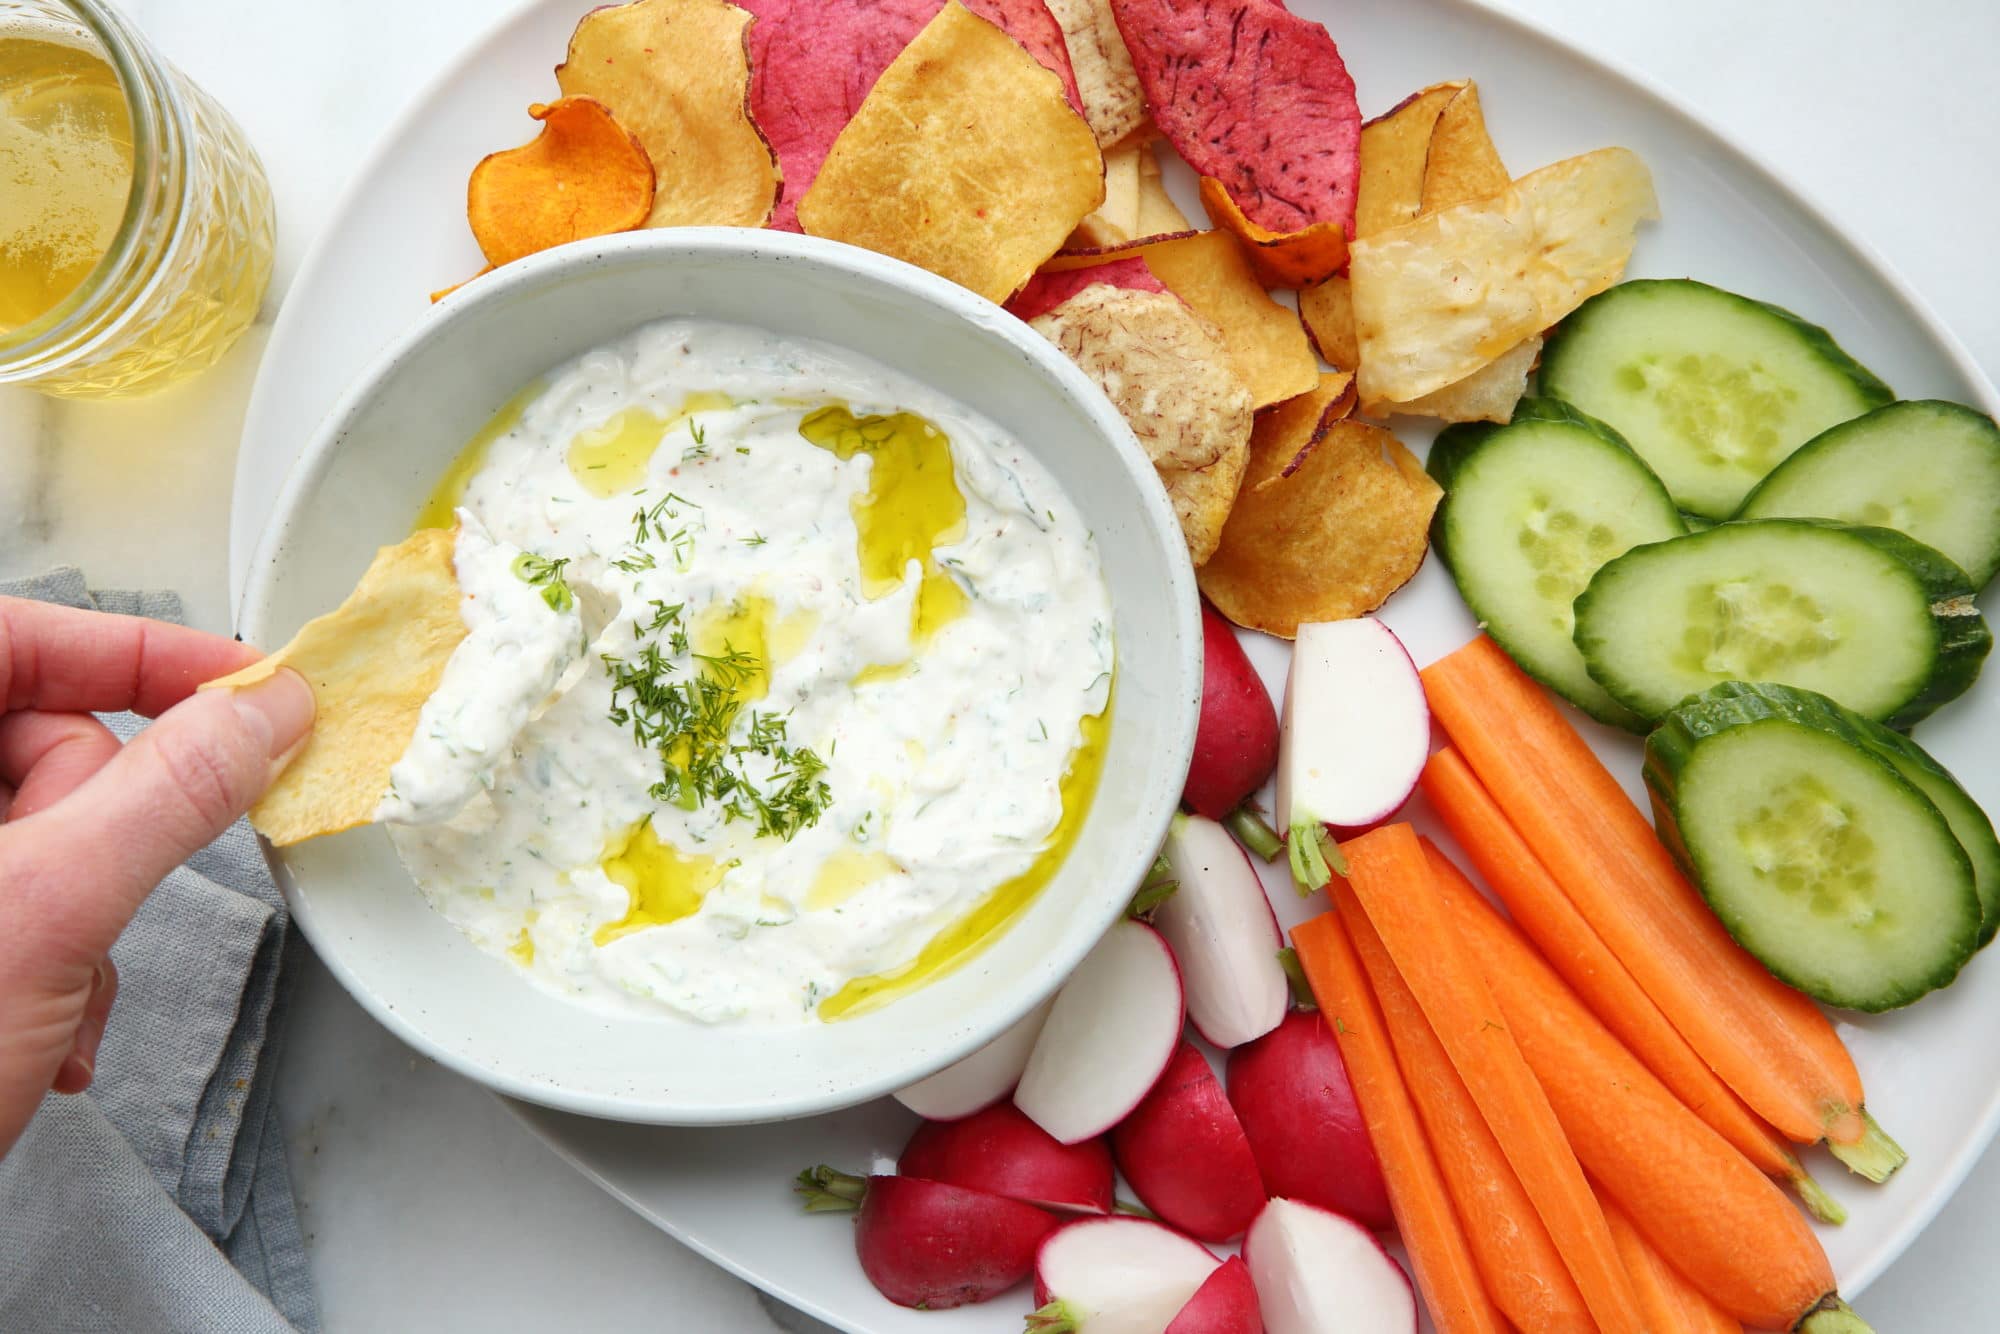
{"x":1463,"y":163}
{"x":1333,"y":517}
{"x":1116,"y":220}
{"x":1328,"y":312}
{"x":1158,"y":213}
{"x":371,"y":662}
{"x":1395,"y":147}
{"x":1167,"y":372}
{"x":1438,"y":298}
{"x":1208,"y":271}
{"x":676,"y":73}
{"x":583,"y":175}
{"x":1113,"y":102}
{"x":965,"y":159}
{"x":1279,"y":259}
{"x":1046,"y":291}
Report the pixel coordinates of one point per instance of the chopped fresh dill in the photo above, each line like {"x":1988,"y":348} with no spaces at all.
{"x":546,"y":574}
{"x":754,"y":540}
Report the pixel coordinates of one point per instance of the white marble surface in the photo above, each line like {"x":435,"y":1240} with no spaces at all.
{"x":425,"y":1205}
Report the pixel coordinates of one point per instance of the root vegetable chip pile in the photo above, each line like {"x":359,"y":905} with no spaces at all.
{"x":966,"y":159}
{"x":1046,"y":291}
{"x":1332,"y":518}
{"x":583,"y":175}
{"x":676,"y":73}
{"x":371,"y":662}
{"x":1169,"y":375}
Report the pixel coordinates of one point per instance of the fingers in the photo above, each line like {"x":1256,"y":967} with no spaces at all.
{"x":90,"y":859}
{"x":59,"y":659}
{"x":44,"y":756}
{"x":80,"y":1066}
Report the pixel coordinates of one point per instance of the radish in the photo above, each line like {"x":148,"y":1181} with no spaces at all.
{"x":1115,"y":1276}
{"x":1291,"y":1094}
{"x":1236,"y":736}
{"x":1223,"y":933}
{"x":1317,"y":1272}
{"x":1002,"y":1152}
{"x":930,"y":1245}
{"x":1185,"y":1155}
{"x":1225,"y":1303}
{"x":1111,"y":1033}
{"x":1355,"y":736}
{"x":981,"y":1079}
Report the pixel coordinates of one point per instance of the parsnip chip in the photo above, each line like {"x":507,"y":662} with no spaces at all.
{"x":1487,"y":395}
{"x":1279,"y":259}
{"x":1112,"y":100}
{"x":1208,"y":271}
{"x":1158,"y":213}
{"x":583,"y":175}
{"x":1166,"y":370}
{"x":1328,"y":312}
{"x":1463,"y":163}
{"x":676,"y":73}
{"x":1394,"y":148}
{"x":1333,"y":516}
{"x":1116,"y":220}
{"x":965,"y":158}
{"x":1440,"y":297}
{"x":371,"y":662}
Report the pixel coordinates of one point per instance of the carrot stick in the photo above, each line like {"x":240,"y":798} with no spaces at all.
{"x":1546,"y":915}
{"x":1766,"y":1041}
{"x":1521,"y":1266}
{"x":1716,"y":1219}
{"x":1391,"y":878}
{"x":1443,"y":1265}
{"x":1671,"y":1303}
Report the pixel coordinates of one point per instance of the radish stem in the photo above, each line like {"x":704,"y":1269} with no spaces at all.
{"x":1131,"y":1210}
{"x":1254,"y":832}
{"x":1874,"y":1156}
{"x":1055,"y":1318}
{"x":1158,"y":886}
{"x":827,"y":1191}
{"x":1295,"y":975}
{"x":1315,"y":856}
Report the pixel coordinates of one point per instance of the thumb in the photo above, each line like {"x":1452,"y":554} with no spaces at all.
{"x":169,"y":792}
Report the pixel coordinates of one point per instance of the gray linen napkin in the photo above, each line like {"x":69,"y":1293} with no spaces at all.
{"x":159,"y":1203}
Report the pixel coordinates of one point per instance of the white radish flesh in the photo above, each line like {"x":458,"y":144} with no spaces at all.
{"x":1117,"y":1276}
{"x":1224,"y":935}
{"x":1113,"y":1029}
{"x":1317,"y":1273}
{"x":1356,"y":729}
{"x":981,"y":1079}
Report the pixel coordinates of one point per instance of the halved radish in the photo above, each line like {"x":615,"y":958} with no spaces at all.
{"x":1291,"y":1094}
{"x":1236,"y":736}
{"x":1316,"y":1272}
{"x":1225,"y":1303}
{"x":1186,"y":1156}
{"x":981,"y":1079}
{"x":1000,"y":1150}
{"x":930,"y":1245}
{"x":1355,"y":734}
{"x":1111,"y":1033}
{"x":1115,"y":1276}
{"x":1223,"y":933}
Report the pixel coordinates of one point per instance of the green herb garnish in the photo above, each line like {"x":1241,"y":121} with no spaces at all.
{"x":546,"y":574}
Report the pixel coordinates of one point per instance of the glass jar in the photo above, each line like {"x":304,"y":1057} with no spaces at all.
{"x":187,"y":267}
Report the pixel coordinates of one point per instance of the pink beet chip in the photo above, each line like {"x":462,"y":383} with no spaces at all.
{"x":1046,"y":291}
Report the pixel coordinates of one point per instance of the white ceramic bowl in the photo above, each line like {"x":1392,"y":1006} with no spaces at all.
{"x":359,"y":484}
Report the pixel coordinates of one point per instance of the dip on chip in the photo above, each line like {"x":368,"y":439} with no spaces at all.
{"x":676,"y":73}
{"x":965,"y":159}
{"x":371,"y":662}
{"x":1438,"y":298}
{"x":1167,"y":372}
{"x":1113,"y":102}
{"x":583,"y":175}
{"x":1333,"y":516}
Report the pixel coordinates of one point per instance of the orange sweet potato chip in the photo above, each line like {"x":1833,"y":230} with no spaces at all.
{"x":965,"y":158}
{"x":583,"y":175}
{"x":1394,"y":149}
{"x":1333,"y":516}
{"x":1462,"y":163}
{"x":1279,"y":259}
{"x":676,"y":73}
{"x":1328,"y":312}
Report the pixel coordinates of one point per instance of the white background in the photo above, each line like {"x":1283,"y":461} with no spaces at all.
{"x":426,"y":1207}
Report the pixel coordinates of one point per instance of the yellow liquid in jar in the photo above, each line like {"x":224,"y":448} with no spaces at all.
{"x":65,"y":172}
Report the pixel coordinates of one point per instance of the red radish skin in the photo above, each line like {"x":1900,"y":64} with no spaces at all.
{"x":1317,"y":1272}
{"x":1225,"y":1304}
{"x":1236,"y":736}
{"x":1291,"y":1095}
{"x":928,"y":1245}
{"x":1002,"y":1152}
{"x":1115,"y":1276}
{"x":1185,"y":1155}
{"x":1224,"y":935}
{"x":1114,"y":1027}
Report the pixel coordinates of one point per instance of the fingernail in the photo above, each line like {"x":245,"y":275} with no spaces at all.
{"x":75,"y":1075}
{"x":281,"y":705}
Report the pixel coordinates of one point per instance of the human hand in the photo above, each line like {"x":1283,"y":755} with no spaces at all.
{"x":88,"y":828}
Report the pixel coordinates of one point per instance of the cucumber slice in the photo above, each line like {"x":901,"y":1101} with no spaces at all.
{"x":1925,"y":468}
{"x":1712,"y":389}
{"x":1530,"y":511}
{"x":1819,"y":857}
{"x":1881,"y":623}
{"x":1969,"y":824}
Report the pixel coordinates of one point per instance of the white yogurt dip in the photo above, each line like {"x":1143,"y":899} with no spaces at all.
{"x":743,"y":716}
